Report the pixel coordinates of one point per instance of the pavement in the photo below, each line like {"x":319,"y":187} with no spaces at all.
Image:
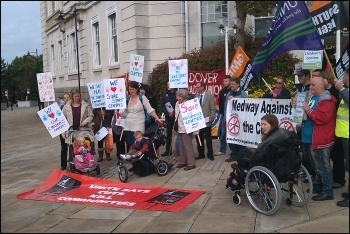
{"x":29,"y":154}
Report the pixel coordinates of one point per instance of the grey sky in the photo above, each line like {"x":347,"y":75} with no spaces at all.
{"x":20,"y":29}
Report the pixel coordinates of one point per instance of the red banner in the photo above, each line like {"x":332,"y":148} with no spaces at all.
{"x":213,"y":80}
{"x":63,"y":186}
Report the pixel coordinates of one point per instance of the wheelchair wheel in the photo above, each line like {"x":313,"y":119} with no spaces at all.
{"x":296,"y":192}
{"x":162,"y":168}
{"x":263,"y":190}
{"x":123,"y":173}
{"x":236,"y":199}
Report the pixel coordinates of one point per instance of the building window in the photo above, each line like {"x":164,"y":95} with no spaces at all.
{"x":52,"y":59}
{"x":60,"y":58}
{"x":72,"y":54}
{"x":262,"y":24}
{"x":96,"y":45}
{"x":113,"y":40}
{"x":210,"y":12}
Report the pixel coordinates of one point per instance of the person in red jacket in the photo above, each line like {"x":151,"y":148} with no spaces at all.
{"x":321,"y":109}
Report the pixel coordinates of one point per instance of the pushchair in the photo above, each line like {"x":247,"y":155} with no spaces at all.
{"x":148,"y":162}
{"x":88,"y":134}
{"x":280,"y":176}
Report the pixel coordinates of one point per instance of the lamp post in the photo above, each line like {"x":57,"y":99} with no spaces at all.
{"x":222,"y":25}
{"x":60,"y":20}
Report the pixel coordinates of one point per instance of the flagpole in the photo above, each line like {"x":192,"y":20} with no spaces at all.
{"x":266,"y":83}
{"x":325,"y":54}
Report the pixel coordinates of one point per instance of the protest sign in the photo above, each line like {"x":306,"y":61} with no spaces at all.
{"x":53,"y":119}
{"x":178,"y":73}
{"x":299,"y":110}
{"x":115,"y":93}
{"x":96,"y":93}
{"x":243,"y":117}
{"x":312,"y":59}
{"x":192,"y":115}
{"x":136,"y":67}
{"x":45,"y":87}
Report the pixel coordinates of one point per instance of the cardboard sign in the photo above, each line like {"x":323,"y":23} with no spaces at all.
{"x":96,"y":93}
{"x":178,"y":73}
{"x":192,"y":115}
{"x":136,"y":67}
{"x":115,"y":93}
{"x":45,"y":87}
{"x":53,"y":119}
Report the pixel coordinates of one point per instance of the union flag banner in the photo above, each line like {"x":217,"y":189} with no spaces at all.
{"x":238,"y":63}
{"x":66,"y":187}
{"x":342,"y":64}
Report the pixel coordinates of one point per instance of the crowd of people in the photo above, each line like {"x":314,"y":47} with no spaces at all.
{"x":323,"y":132}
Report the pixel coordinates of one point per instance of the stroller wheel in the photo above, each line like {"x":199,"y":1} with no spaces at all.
{"x":123,"y":173}
{"x":162,"y":168}
{"x":98,"y":169}
{"x":236,"y":199}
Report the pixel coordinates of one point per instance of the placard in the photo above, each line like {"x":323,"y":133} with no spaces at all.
{"x":115,"y":93}
{"x":178,"y":73}
{"x":192,"y":115}
{"x":136,"y":67}
{"x":45,"y":87}
{"x":96,"y":93}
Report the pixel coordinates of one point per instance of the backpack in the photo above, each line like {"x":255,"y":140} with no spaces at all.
{"x":148,"y":118}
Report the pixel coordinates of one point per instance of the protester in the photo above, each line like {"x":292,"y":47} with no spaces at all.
{"x":134,"y":113}
{"x":328,"y":79}
{"x":316,"y":72}
{"x":101,"y":119}
{"x":207,"y":102}
{"x":186,"y":153}
{"x":222,"y":109}
{"x":147,"y":91}
{"x":342,"y":132}
{"x":322,"y":111}
{"x":168,"y":98}
{"x":235,"y":92}
{"x":278,"y":92}
{"x":13,"y":100}
{"x":117,"y":131}
{"x":64,"y":146}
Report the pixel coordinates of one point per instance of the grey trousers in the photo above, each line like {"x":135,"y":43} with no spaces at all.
{"x":186,"y":152}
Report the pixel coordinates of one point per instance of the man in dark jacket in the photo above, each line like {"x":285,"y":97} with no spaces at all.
{"x":278,"y":91}
{"x":168,"y":102}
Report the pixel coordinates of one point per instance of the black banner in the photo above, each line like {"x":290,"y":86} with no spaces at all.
{"x":342,"y":64}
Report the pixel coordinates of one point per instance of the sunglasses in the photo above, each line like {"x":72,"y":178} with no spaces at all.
{"x":278,"y":83}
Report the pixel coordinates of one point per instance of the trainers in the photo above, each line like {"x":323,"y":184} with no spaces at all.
{"x":218,"y":153}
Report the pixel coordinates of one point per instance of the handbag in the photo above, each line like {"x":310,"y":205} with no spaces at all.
{"x":109,"y":145}
{"x":176,"y":123}
{"x":148,"y":117}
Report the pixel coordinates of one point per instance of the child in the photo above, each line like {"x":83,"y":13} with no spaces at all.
{"x":139,"y":147}
{"x":82,"y":153}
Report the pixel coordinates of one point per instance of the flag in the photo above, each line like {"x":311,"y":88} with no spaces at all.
{"x":342,"y":64}
{"x":290,"y":29}
{"x":328,"y":16}
{"x":247,"y":76}
{"x":238,"y":63}
{"x":326,"y":64}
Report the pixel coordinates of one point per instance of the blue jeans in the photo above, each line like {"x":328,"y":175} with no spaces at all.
{"x":234,"y":150}
{"x":222,"y":134}
{"x":307,"y":160}
{"x":324,"y":179}
{"x":129,"y":139}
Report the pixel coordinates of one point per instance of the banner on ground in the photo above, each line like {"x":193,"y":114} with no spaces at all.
{"x":243,"y":117}
{"x":178,"y":73}
{"x":342,"y":64}
{"x":238,"y":63}
{"x":291,"y":29}
{"x":192,"y":115}
{"x":115,"y":93}
{"x":136,"y":67}
{"x":328,"y":16}
{"x":66,"y":187}
{"x":96,"y":93}
{"x":53,"y":119}
{"x":45,"y":87}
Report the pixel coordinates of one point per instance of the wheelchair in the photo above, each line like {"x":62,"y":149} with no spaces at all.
{"x":267,"y":184}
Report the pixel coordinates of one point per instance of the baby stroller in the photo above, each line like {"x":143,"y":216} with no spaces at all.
{"x":88,"y":134}
{"x":148,"y":162}
{"x":281,"y":176}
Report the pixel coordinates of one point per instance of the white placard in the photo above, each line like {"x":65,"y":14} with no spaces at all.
{"x":136,"y":67}
{"x":299,"y":110}
{"x":115,"y":93}
{"x":192,"y":115}
{"x":45,"y":87}
{"x":178,"y":73}
{"x":101,"y":133}
{"x":96,"y":93}
{"x":312,"y":59}
{"x":53,"y":119}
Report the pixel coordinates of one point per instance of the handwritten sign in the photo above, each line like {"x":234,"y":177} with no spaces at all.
{"x":115,"y":94}
{"x":192,"y":115}
{"x":45,"y":87}
{"x":178,"y":73}
{"x":136,"y":67}
{"x":299,"y":111}
{"x":96,"y":93}
{"x":53,"y":119}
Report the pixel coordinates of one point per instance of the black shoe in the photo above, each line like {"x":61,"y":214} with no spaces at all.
{"x":199,"y":157}
{"x":337,"y":185}
{"x":211,"y":158}
{"x":345,"y":195}
{"x":166,"y":153}
{"x":343,"y":203}
{"x":321,"y":197}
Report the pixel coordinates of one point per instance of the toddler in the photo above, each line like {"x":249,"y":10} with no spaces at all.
{"x":82,"y":153}
{"x":139,"y":147}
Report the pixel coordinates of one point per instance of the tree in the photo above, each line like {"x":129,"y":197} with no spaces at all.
{"x":254,"y":8}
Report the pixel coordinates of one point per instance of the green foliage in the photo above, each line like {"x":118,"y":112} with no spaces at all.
{"x":255,"y":8}
{"x":213,"y":58}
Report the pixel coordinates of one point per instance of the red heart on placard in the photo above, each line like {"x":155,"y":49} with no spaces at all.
{"x":113,"y":89}
{"x":136,"y":63}
{"x":51,"y":115}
